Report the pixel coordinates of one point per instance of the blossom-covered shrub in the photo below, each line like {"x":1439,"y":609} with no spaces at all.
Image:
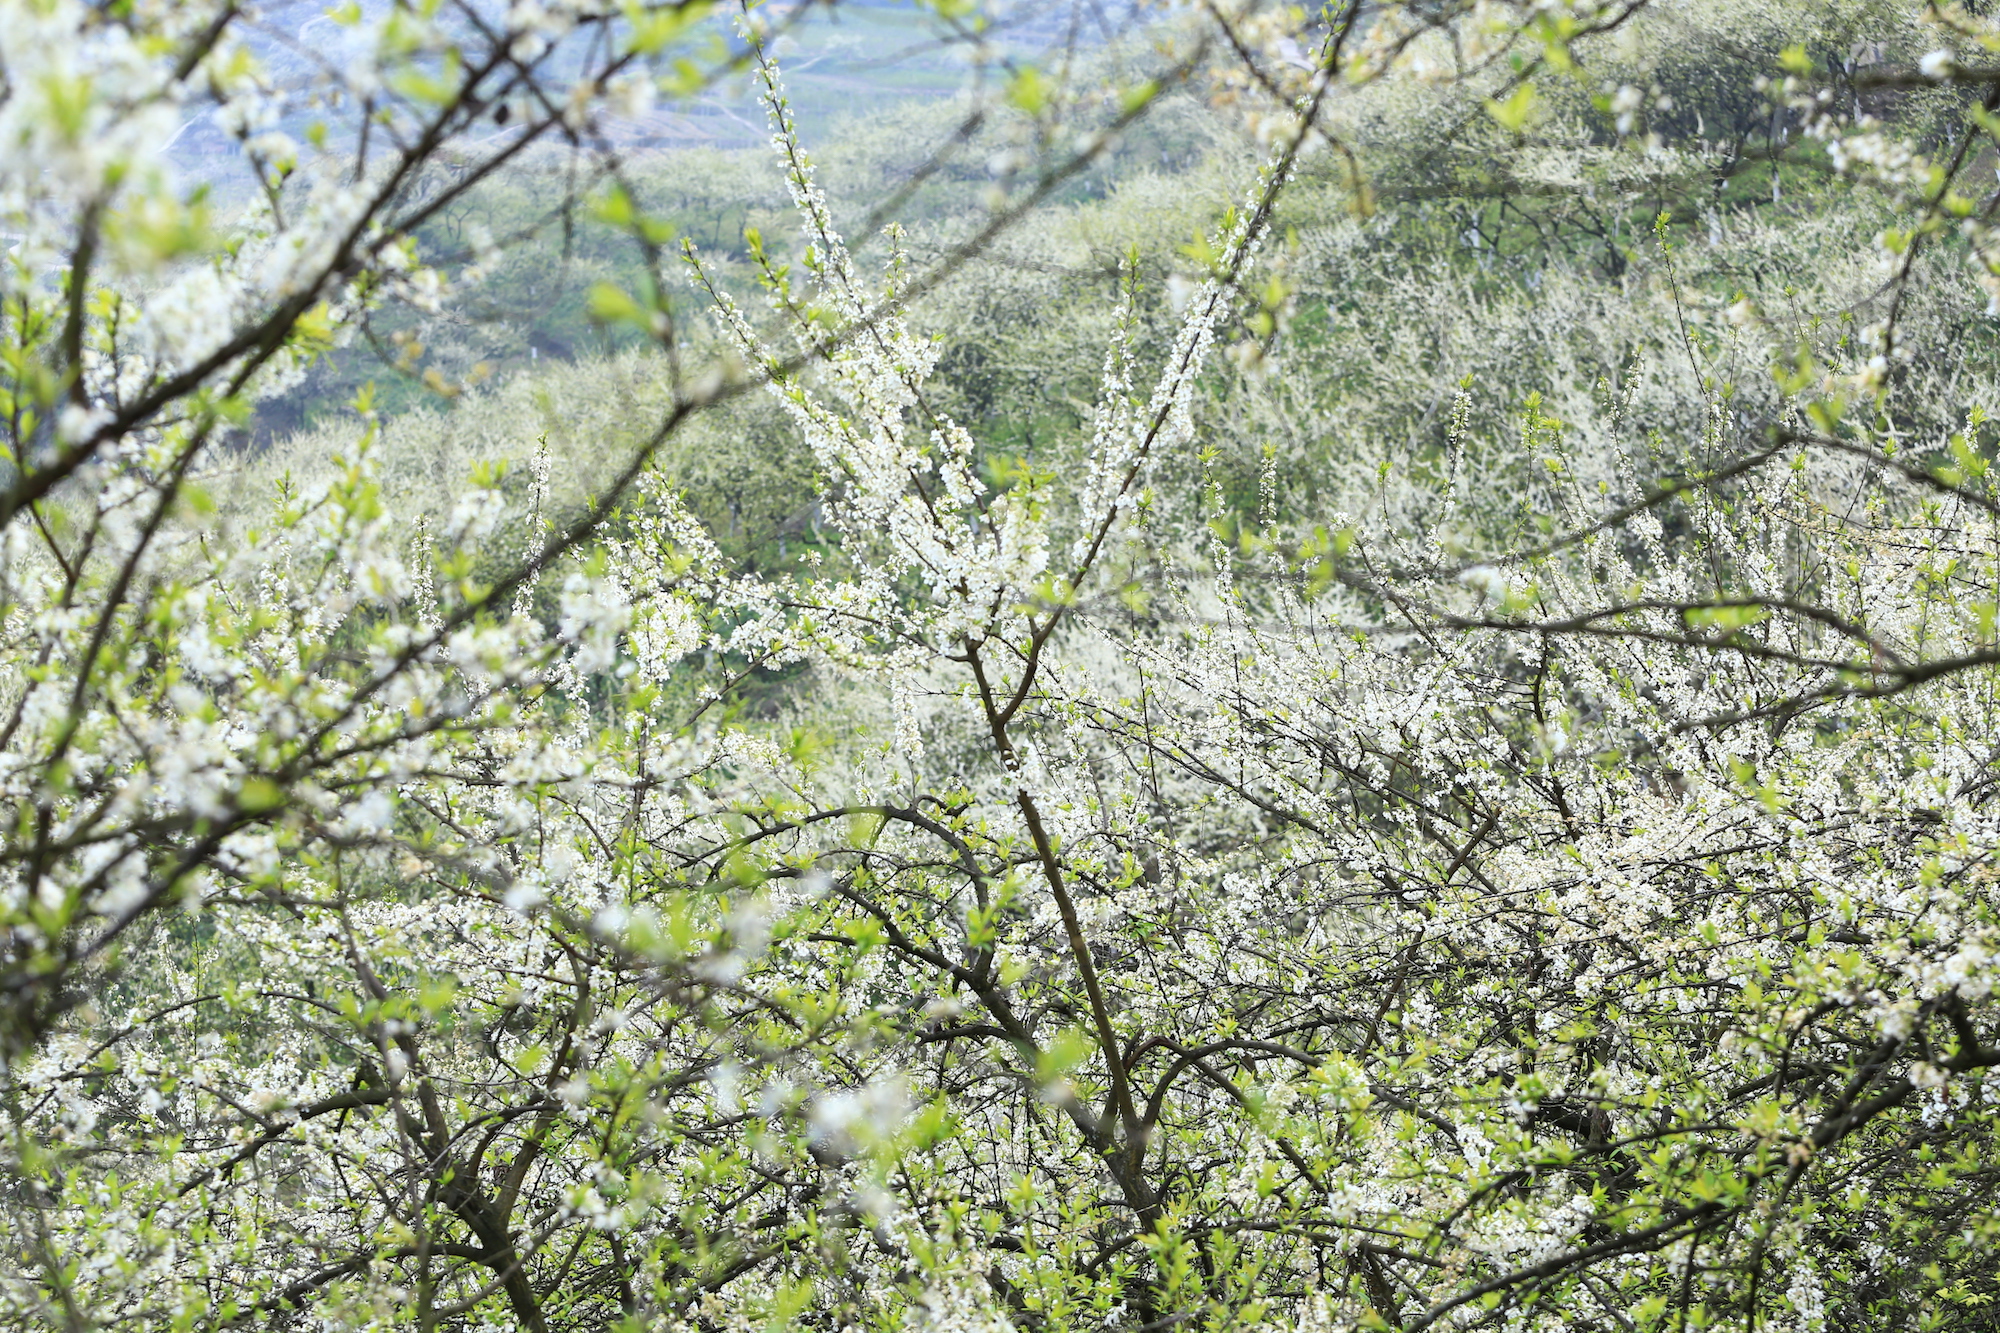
{"x":1543,"y":885}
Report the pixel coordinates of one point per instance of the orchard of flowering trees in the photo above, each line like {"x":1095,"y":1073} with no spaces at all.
{"x":1272,"y":669}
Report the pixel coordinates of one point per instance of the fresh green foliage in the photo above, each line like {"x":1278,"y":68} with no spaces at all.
{"x":1279,"y":670}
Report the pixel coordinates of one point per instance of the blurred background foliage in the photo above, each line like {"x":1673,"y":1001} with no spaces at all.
{"x":1563,"y":268}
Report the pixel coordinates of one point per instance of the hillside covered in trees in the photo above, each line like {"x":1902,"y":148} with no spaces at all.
{"x":999,"y":667}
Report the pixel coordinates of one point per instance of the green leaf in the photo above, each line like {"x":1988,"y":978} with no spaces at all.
{"x":259,"y":795}
{"x":654,"y":29}
{"x":1030,"y":90}
{"x":1138,"y":95}
{"x":1070,"y":1048}
{"x":437,"y":994}
{"x":610,"y":304}
{"x":1724,"y":618}
{"x":1520,"y":109}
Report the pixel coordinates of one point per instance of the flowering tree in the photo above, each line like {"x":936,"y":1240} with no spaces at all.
{"x":1566,"y":907}
{"x":1348,"y":928}
{"x":232,"y":722}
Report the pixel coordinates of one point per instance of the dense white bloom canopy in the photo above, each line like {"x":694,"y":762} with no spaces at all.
{"x":1522,"y":868}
